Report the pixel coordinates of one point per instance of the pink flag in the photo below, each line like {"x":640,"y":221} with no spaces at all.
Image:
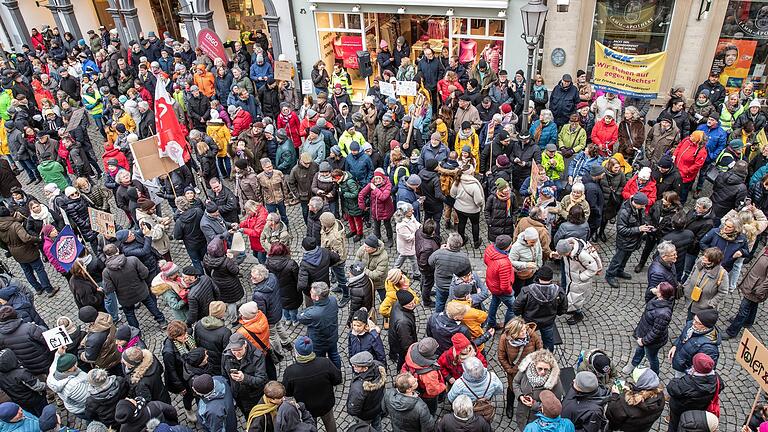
{"x":172,"y":141}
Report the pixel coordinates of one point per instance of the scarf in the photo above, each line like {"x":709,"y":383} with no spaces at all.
{"x":261,"y":409}
{"x":729,"y":237}
{"x":305,"y":358}
{"x":44,"y":215}
{"x":538,"y":91}
{"x":464,"y":136}
{"x":185,"y":347}
{"x":519,"y":342}
{"x":534,"y":378}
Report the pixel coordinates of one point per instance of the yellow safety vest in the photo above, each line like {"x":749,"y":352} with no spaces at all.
{"x":89,"y":100}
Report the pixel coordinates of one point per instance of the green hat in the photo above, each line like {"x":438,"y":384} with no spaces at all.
{"x":736,"y":144}
{"x":66,"y":362}
{"x":501,"y":184}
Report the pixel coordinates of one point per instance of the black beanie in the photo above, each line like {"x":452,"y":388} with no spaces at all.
{"x":431,"y":164}
{"x":124,"y":411}
{"x":88,"y":314}
{"x":241,"y":164}
{"x":309,"y":243}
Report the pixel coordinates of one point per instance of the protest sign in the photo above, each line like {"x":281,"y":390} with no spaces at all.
{"x":629,"y":75}
{"x":406,"y":88}
{"x":387,"y":89}
{"x":102,"y":222}
{"x":75,"y":119}
{"x":307,"y":86}
{"x":283,"y":70}
{"x":148,"y":161}
{"x":209,"y":42}
{"x":253,"y":22}
{"x":732,"y":61}
{"x":57,"y":337}
{"x":66,"y":248}
{"x":752,"y":355}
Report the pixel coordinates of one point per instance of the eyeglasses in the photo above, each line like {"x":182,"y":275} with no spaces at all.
{"x":544,"y":369}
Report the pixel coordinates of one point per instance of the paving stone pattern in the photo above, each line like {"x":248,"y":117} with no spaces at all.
{"x":611,"y":317}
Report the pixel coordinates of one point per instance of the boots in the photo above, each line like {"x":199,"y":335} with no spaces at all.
{"x":509,"y":406}
{"x":575,"y":318}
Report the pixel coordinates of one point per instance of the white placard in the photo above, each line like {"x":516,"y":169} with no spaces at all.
{"x":406,"y":88}
{"x":57,"y":337}
{"x":307,"y":86}
{"x":387,"y":89}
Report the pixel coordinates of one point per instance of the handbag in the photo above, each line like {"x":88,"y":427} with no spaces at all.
{"x":712,"y":173}
{"x":276,"y":356}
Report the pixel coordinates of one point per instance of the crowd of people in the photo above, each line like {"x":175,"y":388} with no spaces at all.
{"x":420,"y":169}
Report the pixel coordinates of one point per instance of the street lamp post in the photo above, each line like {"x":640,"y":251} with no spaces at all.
{"x":534,"y":14}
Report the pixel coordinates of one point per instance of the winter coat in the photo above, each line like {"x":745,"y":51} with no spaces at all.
{"x":605,"y":136}
{"x":628,"y":222}
{"x":430,"y":189}
{"x":450,"y":423}
{"x":312,"y":383}
{"x":692,"y":392}
{"x":446,"y":262}
{"x":407,"y":413}
{"x":287,"y":271}
{"x":360,"y":293}
{"x":146,"y":379}
{"x":226,"y":277}
{"x":27,"y":342}
{"x":426,"y":371}
{"x":174,"y":367}
{"x":728,"y":192}
{"x":686,"y":346}
{"x":126,"y":277}
{"x":729,"y":248}
{"x":653,"y":327}
{"x":586,"y":410}
{"x":658,"y":272}
{"x":19,"y":384}
{"x":633,"y":186}
{"x":520,"y":254}
{"x":635,"y":411}
{"x":563,"y":102}
{"x":322,"y":323}
{"x":753,"y":286}
{"x":98,"y":346}
{"x":381,"y":208}
{"x":314,"y":267}
{"x":272,"y":188}
{"x":580,"y":270}
{"x":70,"y":387}
{"x":402,"y":330}
{"x":468,"y":193}
{"x":199,"y":298}
{"x":211,"y":334}
{"x":187,"y":229}
{"x":499,"y":273}
{"x":376,"y":264}
{"x":141,"y":248}
{"x":441,"y":327}
{"x":300,"y":181}
{"x":511,"y":356}
{"x":248,"y":392}
{"x":714,"y":287}
{"x":267,"y":296}
{"x":541,"y":304}
{"x":216,"y":410}
{"x":22,"y":246}
{"x":348,"y":192}
{"x":366,"y":393}
{"x":522,"y":386}
{"x":228,"y":205}
{"x":499,"y":216}
{"x":487,"y":387}
{"x":689,"y":159}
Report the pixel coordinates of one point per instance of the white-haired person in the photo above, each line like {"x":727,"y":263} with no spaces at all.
{"x":463,"y":417}
{"x":406,"y":228}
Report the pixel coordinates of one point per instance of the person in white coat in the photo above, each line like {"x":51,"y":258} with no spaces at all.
{"x":69,"y":382}
{"x":581,"y":264}
{"x":469,"y":200}
{"x":406,"y":228}
{"x":525,"y":254}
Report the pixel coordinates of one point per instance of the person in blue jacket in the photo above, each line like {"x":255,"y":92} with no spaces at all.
{"x":699,"y":335}
{"x":406,"y":192}
{"x":359,"y":164}
{"x":717,"y":139}
{"x":261,"y":71}
{"x":544,"y":130}
{"x":365,"y":338}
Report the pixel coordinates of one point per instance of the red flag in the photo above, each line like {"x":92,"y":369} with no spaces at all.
{"x":172,"y":141}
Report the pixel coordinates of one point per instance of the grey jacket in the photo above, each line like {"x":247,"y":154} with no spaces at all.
{"x":407,"y":413}
{"x":446,"y":262}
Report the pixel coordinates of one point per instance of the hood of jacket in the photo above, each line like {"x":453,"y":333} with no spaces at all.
{"x":268,"y":285}
{"x":546,"y":424}
{"x":218,"y":392}
{"x":103,"y":323}
{"x":313,"y":257}
{"x":733,"y":178}
{"x":212,"y":323}
{"x":402,"y":403}
{"x":8,"y":361}
{"x":554,"y":375}
{"x":9,"y":327}
{"x":146,"y":367}
{"x":108,"y":391}
{"x":543,"y":293}
{"x":116,"y":262}
{"x":374,"y":378}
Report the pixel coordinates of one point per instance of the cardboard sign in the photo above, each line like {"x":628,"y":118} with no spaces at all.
{"x":253,"y":22}
{"x":57,"y":337}
{"x":752,"y":355}
{"x":307,"y":86}
{"x":406,"y":88}
{"x":102,"y":222}
{"x":209,"y":42}
{"x":283,"y":70}
{"x":148,"y":160}
{"x":75,"y":119}
{"x":387,"y":89}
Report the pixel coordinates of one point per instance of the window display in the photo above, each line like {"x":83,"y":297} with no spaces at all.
{"x":340,"y":36}
{"x":632,"y":27}
{"x":743,"y":46}
{"x":478,"y":38}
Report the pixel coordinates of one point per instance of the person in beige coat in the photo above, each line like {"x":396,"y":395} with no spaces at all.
{"x":708,"y":283}
{"x":272,"y":189}
{"x":332,"y":238}
{"x":526,"y":257}
{"x":469,"y":196}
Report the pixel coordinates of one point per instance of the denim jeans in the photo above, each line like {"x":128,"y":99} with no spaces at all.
{"x":496,"y":300}
{"x":685,"y":190}
{"x":548,"y":337}
{"x":111,"y":305}
{"x":224,"y":166}
{"x":618,"y":262}
{"x":651,"y":353}
{"x":733,"y":275}
{"x":30,"y":168}
{"x":279,"y":208}
{"x":341,"y":279}
{"x":435,"y":217}
{"x":401,"y":259}
{"x":304,"y":210}
{"x":36,"y":268}
{"x":260,"y":256}
{"x":441,"y":298}
{"x":745,"y":317}
{"x":196,"y":256}
{"x":332,"y":353}
{"x":291,"y":315}
{"x":151,"y":304}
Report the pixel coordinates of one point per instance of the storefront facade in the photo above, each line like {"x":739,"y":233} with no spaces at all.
{"x":334,"y":30}
{"x":688,"y":30}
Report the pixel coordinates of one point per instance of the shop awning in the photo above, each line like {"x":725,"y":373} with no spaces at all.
{"x":483,"y":4}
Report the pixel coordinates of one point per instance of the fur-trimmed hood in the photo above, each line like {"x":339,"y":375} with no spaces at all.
{"x":375,"y":383}
{"x":554,"y":375}
{"x":141,"y":370}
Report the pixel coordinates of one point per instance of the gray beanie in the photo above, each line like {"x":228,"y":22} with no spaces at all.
{"x":414,"y":180}
{"x":564,"y":247}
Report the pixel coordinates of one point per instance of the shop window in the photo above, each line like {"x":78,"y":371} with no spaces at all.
{"x":742,"y":49}
{"x":246,"y":16}
{"x":340,"y":36}
{"x":631,"y":27}
{"x":484,"y":39}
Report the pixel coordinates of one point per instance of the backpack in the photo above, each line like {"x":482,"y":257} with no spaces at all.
{"x":482,"y":406}
{"x":714,"y":404}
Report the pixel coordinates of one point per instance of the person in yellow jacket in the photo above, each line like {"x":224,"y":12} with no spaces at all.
{"x":471,"y":317}
{"x":395,"y":281}
{"x":4,"y":149}
{"x":468,"y":137}
{"x":219,"y":132}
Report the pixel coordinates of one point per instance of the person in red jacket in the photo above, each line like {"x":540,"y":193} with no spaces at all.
{"x":253,"y":225}
{"x":307,"y":122}
{"x":451,"y":360}
{"x":641,"y":182}
{"x":112,"y":152}
{"x":605,"y":134}
{"x":499,"y":277}
{"x":241,"y":119}
{"x":690,"y":156}
{"x":382,"y":206}
{"x":421,"y":362}
{"x":289,"y":121}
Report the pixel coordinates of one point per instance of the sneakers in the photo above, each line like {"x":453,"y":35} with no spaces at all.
{"x":628,"y":369}
{"x":612,"y":281}
{"x":52,"y":293}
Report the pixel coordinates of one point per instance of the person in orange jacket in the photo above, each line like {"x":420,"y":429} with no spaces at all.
{"x":205,"y":80}
{"x":421,"y":362}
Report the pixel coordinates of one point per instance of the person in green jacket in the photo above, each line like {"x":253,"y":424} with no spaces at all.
{"x":572,"y":138}
{"x":285,"y":156}
{"x":52,"y":172}
{"x":5,"y":102}
{"x":349,"y":190}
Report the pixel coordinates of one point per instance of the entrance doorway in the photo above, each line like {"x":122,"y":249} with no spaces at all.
{"x":166,"y":14}
{"x":105,"y":19}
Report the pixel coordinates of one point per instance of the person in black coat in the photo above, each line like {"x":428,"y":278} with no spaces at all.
{"x":652,"y":331}
{"x":315,"y":209}
{"x":402,"y":327}
{"x":584,"y":404}
{"x":662,"y":269}
{"x":367,"y":388}
{"x":683,"y":240}
{"x":198,"y":362}
{"x":20,"y":384}
{"x":145,"y":375}
{"x":667,"y":176}
{"x":640,"y":405}
{"x":524,"y":152}
{"x":433,"y":195}
{"x":225,"y":274}
{"x":593,"y":193}
{"x":135,"y":244}
{"x":693,"y":391}
{"x":280,"y":263}
{"x":245,"y":366}
{"x":97,"y":347}
{"x":500,"y":210}
{"x":187,"y":229}
{"x":132,"y":415}
{"x":314,"y":266}
{"x":211,"y":334}
{"x":84,"y":291}
{"x":26,"y":340}
{"x":729,"y":189}
{"x":360,"y":289}
{"x":202,"y":292}
{"x":630,"y":227}
{"x":542,"y":303}
{"x":198,"y":108}
{"x":105,"y":391}
{"x":226,"y":200}
{"x":175,"y":346}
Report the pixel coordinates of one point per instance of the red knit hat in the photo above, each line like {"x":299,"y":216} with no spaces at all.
{"x":703,"y":363}
{"x":505,"y":108}
{"x":459,"y":342}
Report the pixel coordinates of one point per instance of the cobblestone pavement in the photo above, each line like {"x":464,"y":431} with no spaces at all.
{"x":609,"y":323}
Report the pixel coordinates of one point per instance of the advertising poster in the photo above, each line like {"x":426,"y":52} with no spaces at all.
{"x":211,"y":45}
{"x":733,"y":59}
{"x":629,"y":75}
{"x":346,"y":48}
